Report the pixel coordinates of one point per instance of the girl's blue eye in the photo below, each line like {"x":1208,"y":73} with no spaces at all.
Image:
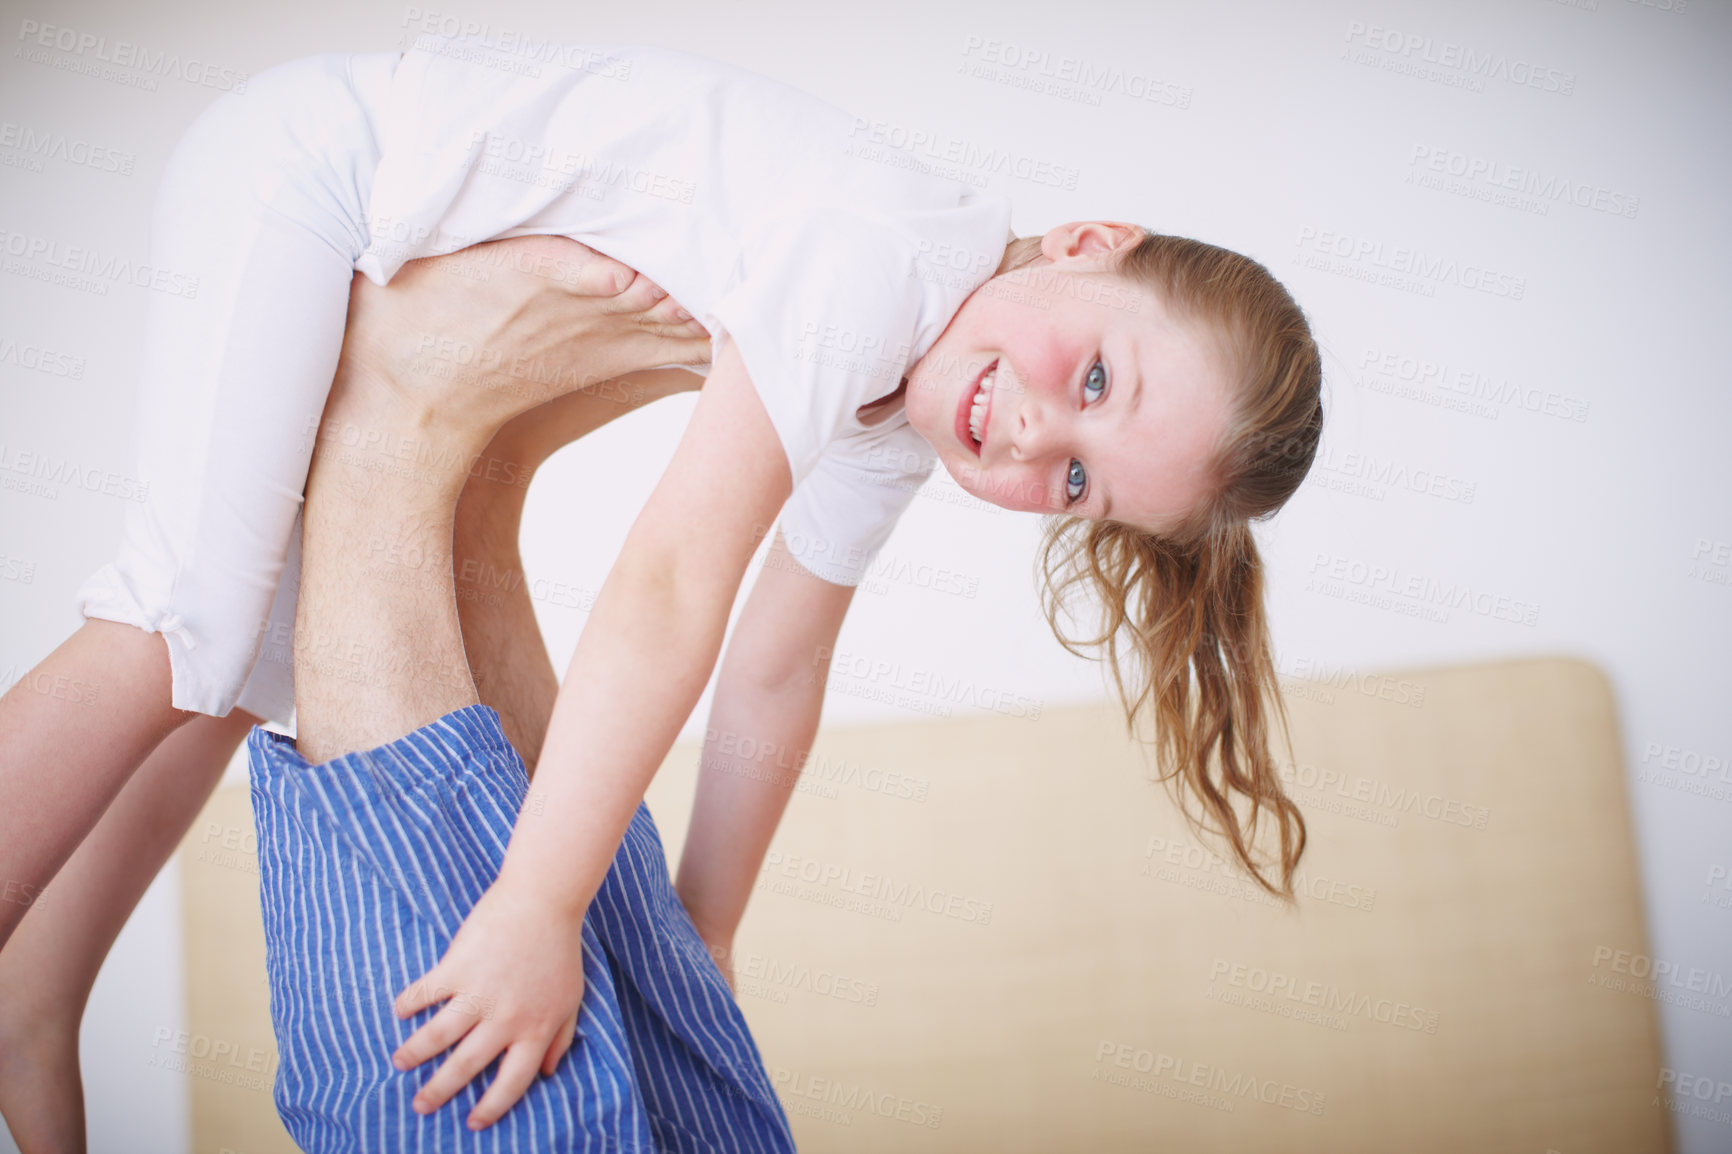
{"x":1077,"y":480}
{"x":1097,"y":379}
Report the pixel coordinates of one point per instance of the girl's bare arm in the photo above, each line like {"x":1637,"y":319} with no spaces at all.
{"x":769,"y":697}
{"x":644,"y":657}
{"x":651,"y":642}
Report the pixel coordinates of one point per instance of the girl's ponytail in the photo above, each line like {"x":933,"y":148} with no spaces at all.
{"x":1184,"y":634}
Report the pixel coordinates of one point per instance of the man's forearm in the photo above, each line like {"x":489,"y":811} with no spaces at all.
{"x":756,"y":744}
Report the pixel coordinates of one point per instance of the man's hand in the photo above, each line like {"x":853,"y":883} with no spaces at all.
{"x":512,"y":983}
{"x":477,"y":337}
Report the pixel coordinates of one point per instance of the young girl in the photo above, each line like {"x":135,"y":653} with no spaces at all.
{"x":1152,"y":393}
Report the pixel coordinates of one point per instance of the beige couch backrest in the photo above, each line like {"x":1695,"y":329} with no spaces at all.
{"x":994,"y":933}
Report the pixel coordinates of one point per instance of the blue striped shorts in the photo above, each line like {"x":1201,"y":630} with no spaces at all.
{"x":369,"y":863}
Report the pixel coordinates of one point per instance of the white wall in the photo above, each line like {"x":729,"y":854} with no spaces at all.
{"x":1278,"y":129}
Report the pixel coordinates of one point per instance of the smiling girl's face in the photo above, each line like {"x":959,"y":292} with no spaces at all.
{"x":1064,"y":388}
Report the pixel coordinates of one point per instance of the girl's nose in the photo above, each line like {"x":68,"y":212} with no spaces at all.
{"x":1022,"y":433}
{"x":1034,"y":443}
{"x":1032,"y":431}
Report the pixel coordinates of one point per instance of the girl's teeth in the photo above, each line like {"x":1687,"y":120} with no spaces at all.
{"x":977,"y":414}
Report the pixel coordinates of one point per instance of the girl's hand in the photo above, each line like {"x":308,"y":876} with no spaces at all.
{"x":512,"y":982}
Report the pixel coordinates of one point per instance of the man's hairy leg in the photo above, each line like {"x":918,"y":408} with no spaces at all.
{"x":501,"y":638}
{"x":379,"y":647}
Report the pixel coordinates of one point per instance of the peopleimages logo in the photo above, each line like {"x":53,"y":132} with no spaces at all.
{"x":931,"y":683}
{"x":1205,"y":1085}
{"x":1546,"y":187}
{"x":41,"y":144}
{"x":895,"y":894}
{"x":868,"y":139}
{"x":42,"y":258}
{"x":1422,"y":588}
{"x":1324,"y":996}
{"x":40,"y":359}
{"x":1435,"y":381}
{"x":498,"y":46}
{"x":1066,"y":77}
{"x":1395,"y":799}
{"x":1322,"y":676}
{"x":843,"y":1096}
{"x":1399,"y":266}
{"x":88,"y":47}
{"x":533,"y":162}
{"x":46,"y":471}
{"x":1366,"y":474}
{"x":1417,"y":53}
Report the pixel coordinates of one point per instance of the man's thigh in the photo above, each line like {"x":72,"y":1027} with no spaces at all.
{"x":368,"y":865}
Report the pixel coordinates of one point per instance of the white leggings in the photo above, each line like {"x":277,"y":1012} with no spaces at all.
{"x":264,"y":202}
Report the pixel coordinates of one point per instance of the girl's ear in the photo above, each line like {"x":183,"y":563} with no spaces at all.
{"x":1088,"y":238}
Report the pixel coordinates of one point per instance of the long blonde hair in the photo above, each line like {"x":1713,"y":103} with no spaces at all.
{"x":1183,"y":626}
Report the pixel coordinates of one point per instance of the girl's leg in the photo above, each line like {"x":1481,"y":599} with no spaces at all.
{"x":256,"y":227}
{"x":47,"y":971}
{"x":513,"y":673}
{"x":258,"y":220}
{"x":71,"y":731}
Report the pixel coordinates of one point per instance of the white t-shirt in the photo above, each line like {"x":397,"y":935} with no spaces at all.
{"x":767,"y":213}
